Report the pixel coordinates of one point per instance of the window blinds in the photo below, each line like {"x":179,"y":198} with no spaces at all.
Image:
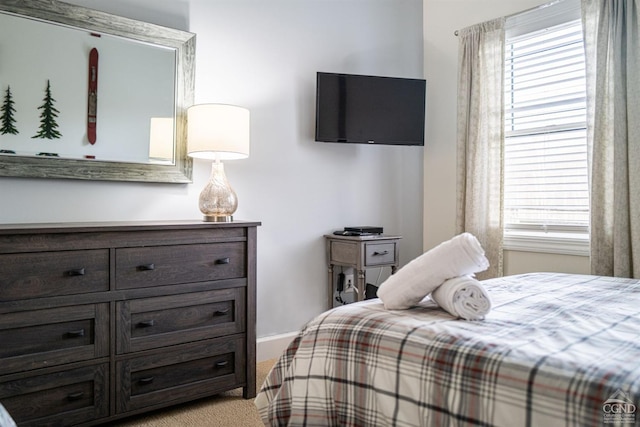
{"x":545,"y":158}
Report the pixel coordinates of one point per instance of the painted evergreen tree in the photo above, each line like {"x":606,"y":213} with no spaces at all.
{"x":7,"y":121}
{"x":48,"y":124}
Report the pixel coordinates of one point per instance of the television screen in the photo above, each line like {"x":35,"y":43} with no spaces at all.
{"x":370,"y":109}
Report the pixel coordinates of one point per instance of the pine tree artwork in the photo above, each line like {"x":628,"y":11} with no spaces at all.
{"x":7,"y":121}
{"x":48,"y":124}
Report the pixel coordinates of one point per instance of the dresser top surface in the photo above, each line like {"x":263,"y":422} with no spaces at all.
{"x":87,"y":227}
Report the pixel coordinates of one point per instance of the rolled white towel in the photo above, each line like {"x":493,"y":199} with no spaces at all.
{"x":463,"y":297}
{"x":462,"y":255}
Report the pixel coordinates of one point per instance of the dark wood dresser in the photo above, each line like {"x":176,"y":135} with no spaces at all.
{"x":99,"y":321}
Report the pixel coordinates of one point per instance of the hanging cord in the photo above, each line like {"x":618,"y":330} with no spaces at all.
{"x":378,"y":279}
{"x":340,"y":286}
{"x":343,"y":289}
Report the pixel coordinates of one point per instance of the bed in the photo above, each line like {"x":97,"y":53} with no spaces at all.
{"x":555,"y":350}
{"x":5,"y":418}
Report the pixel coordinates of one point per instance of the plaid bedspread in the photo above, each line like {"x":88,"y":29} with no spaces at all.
{"x":555,"y":350}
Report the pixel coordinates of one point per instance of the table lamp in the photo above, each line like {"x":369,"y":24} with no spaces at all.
{"x":161,"y":139}
{"x":218,"y":132}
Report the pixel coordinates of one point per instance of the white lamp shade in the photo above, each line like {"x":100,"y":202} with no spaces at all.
{"x":218,"y":131}
{"x":161,"y":138}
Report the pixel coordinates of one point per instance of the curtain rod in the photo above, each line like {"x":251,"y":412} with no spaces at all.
{"x":532,"y":9}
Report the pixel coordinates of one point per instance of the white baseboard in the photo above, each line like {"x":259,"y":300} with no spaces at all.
{"x":272,"y":346}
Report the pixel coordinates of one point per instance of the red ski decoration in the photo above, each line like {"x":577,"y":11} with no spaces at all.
{"x":92,"y":110}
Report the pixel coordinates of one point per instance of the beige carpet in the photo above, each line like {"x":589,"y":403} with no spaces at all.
{"x":225,"y":410}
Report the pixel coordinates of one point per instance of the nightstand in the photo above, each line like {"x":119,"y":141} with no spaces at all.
{"x":360,"y":253}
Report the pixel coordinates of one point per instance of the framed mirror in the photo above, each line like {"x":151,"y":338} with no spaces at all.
{"x":90,"y":95}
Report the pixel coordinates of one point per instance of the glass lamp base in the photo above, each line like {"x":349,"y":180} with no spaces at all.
{"x":217,"y":200}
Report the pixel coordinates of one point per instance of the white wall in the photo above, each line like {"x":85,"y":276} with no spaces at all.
{"x":441,"y":19}
{"x":263,"y":54}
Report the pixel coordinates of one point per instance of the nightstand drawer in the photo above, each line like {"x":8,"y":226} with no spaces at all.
{"x":380,"y":254}
{"x":186,"y":371}
{"x":63,"y":398}
{"x":41,"y":338}
{"x":160,"y":321}
{"x":170,"y":265}
{"x":42,"y":274}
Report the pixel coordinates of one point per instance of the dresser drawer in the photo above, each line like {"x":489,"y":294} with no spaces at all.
{"x":63,"y":398}
{"x":42,"y":274}
{"x":148,"y":323}
{"x":41,"y":338}
{"x":182,"y":373}
{"x":379,"y":254}
{"x":169,"y":265}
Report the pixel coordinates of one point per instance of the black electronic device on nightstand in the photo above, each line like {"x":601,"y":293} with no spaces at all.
{"x":366,"y":230}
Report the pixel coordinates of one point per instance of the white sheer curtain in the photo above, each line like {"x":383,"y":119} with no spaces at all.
{"x":480,"y":138}
{"x":612,"y":44}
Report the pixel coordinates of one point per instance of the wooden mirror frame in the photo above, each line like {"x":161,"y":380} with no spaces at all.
{"x":90,"y":20}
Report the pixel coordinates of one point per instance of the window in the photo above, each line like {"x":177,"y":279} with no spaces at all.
{"x":546,"y":196}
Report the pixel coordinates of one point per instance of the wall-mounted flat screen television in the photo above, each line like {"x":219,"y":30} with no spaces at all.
{"x":354,"y":108}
